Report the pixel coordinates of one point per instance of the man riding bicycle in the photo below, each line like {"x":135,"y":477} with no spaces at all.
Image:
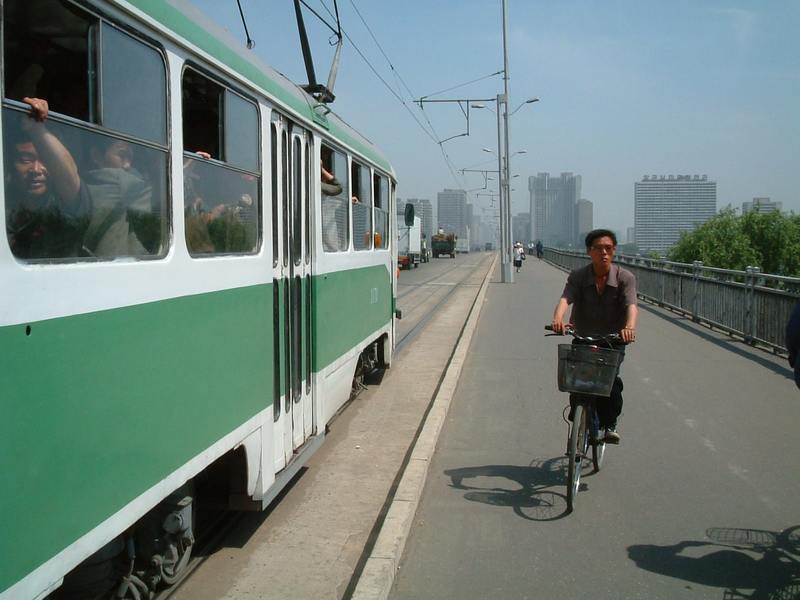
{"x":603,"y":296}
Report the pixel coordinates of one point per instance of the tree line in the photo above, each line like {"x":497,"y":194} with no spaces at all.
{"x":770,"y":241}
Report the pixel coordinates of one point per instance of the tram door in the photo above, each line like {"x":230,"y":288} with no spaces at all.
{"x":294,"y":420}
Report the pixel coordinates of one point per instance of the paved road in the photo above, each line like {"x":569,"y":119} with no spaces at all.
{"x":708,"y":460}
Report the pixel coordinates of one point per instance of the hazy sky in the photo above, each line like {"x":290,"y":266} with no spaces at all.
{"x":627,"y":88}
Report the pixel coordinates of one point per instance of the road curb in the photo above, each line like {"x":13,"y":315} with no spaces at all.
{"x":377,"y":577}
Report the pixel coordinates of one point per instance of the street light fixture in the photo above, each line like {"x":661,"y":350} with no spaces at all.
{"x":515,"y":153}
{"x":528,"y":101}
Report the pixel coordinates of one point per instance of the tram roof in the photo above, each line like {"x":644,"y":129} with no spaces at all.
{"x":192,"y":26}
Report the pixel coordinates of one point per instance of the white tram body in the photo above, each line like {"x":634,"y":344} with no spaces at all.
{"x":199,"y":303}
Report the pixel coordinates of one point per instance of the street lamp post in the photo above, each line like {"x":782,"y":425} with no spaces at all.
{"x":505,"y":257}
{"x":507,"y":273}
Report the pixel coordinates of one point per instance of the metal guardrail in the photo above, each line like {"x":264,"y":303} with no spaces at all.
{"x":750,"y":304}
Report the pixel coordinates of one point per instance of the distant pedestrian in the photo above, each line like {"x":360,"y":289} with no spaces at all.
{"x":519,"y":256}
{"x":539,"y":249}
{"x":793,"y":342}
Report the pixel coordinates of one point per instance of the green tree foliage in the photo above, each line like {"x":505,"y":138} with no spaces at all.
{"x":729,"y":241}
{"x":776,"y":239}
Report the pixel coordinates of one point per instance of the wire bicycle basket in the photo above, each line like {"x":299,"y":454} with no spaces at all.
{"x":587,"y":369}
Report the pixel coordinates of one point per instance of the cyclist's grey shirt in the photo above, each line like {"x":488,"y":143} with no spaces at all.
{"x":595,"y":313}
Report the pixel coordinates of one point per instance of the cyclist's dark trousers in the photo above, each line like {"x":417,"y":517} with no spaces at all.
{"x":608,"y":409}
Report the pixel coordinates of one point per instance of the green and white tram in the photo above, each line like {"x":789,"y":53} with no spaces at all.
{"x":182,"y":297}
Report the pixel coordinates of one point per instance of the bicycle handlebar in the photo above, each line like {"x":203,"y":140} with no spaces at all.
{"x":569,"y":330}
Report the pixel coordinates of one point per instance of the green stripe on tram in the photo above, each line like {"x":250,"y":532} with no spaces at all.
{"x":349,"y":306}
{"x":134,"y":393}
{"x":131,"y":394}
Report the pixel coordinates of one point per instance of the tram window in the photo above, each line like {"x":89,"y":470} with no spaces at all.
{"x":380,"y":185}
{"x":133,"y":95}
{"x":221,"y":198}
{"x":46,"y":55}
{"x":307,"y":204}
{"x":335,"y":204}
{"x":297,"y":201}
{"x":362,"y":207}
{"x":202,"y":112}
{"x":274,"y":200}
{"x":75,"y":193}
{"x":241,"y":132}
{"x":285,"y":194}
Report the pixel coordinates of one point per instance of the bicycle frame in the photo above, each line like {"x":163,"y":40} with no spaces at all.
{"x":584,"y":430}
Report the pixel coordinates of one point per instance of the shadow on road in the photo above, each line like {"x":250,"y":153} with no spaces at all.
{"x":746,"y":563}
{"x":533,"y":499}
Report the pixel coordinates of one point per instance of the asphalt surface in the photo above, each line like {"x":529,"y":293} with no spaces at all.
{"x":689,"y":505}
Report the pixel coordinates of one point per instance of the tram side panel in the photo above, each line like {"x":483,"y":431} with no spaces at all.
{"x":102,"y":408}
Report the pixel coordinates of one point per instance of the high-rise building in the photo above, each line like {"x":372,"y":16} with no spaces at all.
{"x":630,"y":238}
{"x":553,"y":202}
{"x":476,"y":232}
{"x":452,"y":211}
{"x":585,"y":218}
{"x":520,"y":228}
{"x":424,"y":210}
{"x":761,"y":206}
{"x":665,"y":205}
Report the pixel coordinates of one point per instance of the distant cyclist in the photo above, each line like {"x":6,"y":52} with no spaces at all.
{"x":604,"y":299}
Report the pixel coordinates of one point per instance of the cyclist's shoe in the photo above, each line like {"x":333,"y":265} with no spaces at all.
{"x":611,"y":437}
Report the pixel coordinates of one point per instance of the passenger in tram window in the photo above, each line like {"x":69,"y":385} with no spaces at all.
{"x":220,"y":208}
{"x":119,"y":194}
{"x":195,"y":221}
{"x":334,"y":208}
{"x":232,"y":223}
{"x":329,"y":184}
{"x":45,"y":200}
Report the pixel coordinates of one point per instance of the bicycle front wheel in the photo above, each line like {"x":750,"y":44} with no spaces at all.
{"x":577,"y":445}
{"x":598,"y":445}
{"x":598,"y":453}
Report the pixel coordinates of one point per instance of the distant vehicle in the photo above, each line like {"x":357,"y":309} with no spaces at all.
{"x":488,"y":246}
{"x":409,"y":244}
{"x":443,"y":243}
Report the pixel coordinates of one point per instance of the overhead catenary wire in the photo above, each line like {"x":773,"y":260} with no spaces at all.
{"x":431,"y":133}
{"x":466,"y":83}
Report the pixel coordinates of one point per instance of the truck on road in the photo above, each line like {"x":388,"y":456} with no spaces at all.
{"x":443,"y":243}
{"x":409,"y":244}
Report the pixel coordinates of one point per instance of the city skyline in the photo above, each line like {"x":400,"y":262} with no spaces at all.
{"x":626,"y":89}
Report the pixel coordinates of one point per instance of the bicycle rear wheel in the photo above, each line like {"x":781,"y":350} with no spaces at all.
{"x":578,"y":438}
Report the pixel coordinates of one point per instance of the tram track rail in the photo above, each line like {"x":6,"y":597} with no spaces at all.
{"x":419,"y":326}
{"x":412,"y":287}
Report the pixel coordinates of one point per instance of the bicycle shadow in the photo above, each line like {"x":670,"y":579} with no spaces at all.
{"x":745,"y":563}
{"x":533,"y":499}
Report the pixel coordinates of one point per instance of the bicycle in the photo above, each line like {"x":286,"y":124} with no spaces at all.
{"x":587,"y":371}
